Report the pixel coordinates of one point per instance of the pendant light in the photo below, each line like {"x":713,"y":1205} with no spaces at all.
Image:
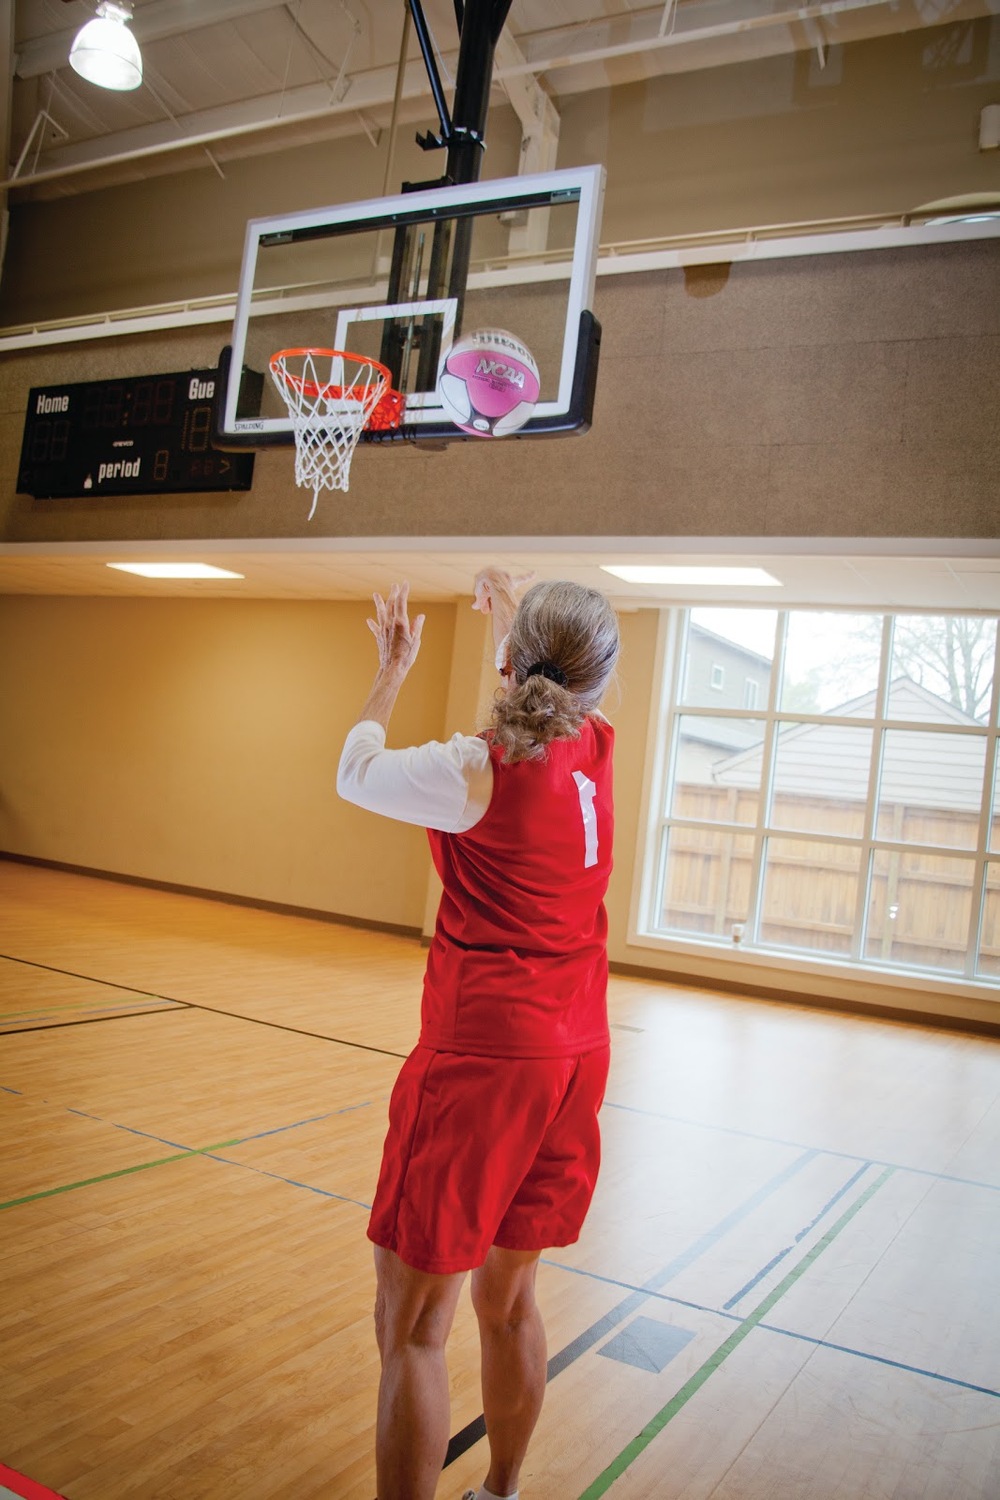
{"x":105,"y":52}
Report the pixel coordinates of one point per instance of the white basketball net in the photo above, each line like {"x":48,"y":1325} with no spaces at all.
{"x":330,"y":396}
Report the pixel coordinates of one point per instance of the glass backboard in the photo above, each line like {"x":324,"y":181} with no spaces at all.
{"x":400,"y":279}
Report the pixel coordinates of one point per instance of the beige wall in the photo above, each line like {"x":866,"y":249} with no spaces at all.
{"x":196,"y":742}
{"x":888,"y":125}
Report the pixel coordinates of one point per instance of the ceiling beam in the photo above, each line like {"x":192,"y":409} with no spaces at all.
{"x":701,"y":21}
{"x":768,"y":27}
{"x":528,"y":234}
{"x":538,"y":115}
{"x":365,"y":91}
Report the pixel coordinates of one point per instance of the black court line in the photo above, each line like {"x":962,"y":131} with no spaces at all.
{"x":108,"y":984}
{"x":475,"y":1430}
{"x":165,"y":1008}
{"x":787,"y":1333}
{"x":319,"y":1036}
{"x":214,"y":1010}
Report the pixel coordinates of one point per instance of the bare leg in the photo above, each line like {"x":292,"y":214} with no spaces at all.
{"x":413,"y":1317}
{"x":514,"y":1359}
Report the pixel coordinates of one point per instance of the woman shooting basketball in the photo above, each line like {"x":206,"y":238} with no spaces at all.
{"x":493,"y":1145}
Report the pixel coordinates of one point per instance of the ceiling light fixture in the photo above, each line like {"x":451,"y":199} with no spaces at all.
{"x":174,"y":570}
{"x":105,"y":52}
{"x":734,"y":577}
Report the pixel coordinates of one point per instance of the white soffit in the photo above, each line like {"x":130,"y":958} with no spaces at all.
{"x":927,"y":577}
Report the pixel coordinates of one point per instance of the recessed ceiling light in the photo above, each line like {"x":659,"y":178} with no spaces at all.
{"x":735,"y":577}
{"x":174,"y":570}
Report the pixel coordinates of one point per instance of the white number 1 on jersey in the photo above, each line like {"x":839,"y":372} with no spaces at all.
{"x":587,"y":790}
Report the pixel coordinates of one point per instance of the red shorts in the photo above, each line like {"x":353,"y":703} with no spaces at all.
{"x":487,"y":1151}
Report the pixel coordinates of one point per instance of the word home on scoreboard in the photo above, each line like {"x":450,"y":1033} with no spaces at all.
{"x":151,"y":435}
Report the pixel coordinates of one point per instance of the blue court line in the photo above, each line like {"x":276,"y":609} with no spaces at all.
{"x":475,"y":1430}
{"x":777,"y":1140}
{"x":292,"y":1182}
{"x":777,"y":1259}
{"x":788,"y":1333}
{"x":691,"y":1387}
{"x":629,"y":1286}
{"x":881,"y":1359}
{"x":323,"y":1192}
{"x":228,"y":1161}
{"x":131,"y":1129}
{"x":712,"y":1236}
{"x":180,"y":1146}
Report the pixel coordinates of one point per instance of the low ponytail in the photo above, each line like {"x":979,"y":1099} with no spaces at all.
{"x":562,"y":647}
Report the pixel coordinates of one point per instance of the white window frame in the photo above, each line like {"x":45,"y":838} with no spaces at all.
{"x":669,"y":666}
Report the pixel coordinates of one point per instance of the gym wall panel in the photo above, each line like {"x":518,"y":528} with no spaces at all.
{"x":842,"y":395}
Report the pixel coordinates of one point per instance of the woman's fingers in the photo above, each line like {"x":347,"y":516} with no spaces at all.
{"x":397,"y":639}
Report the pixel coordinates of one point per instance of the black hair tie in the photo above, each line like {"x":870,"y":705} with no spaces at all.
{"x":548,"y":669}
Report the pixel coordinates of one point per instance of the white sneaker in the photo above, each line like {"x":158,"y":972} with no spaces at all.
{"x":469,"y":1495}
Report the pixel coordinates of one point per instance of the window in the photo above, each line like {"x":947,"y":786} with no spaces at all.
{"x":849,"y":809}
{"x":718,"y":678}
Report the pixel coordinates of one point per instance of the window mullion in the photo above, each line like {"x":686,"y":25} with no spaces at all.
{"x":985,"y":823}
{"x":677,"y":649}
{"x":762,"y":824}
{"x":863,"y":904}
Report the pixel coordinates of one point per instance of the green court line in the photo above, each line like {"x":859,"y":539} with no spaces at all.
{"x":143,"y":1166}
{"x":642,"y":1440}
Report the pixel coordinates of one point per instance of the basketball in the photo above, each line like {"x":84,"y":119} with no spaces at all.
{"x":488,"y":383}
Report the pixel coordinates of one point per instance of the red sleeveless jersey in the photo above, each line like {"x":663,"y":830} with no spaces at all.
{"x":518,"y":962}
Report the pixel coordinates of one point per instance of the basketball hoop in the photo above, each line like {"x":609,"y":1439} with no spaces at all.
{"x":332,"y":396}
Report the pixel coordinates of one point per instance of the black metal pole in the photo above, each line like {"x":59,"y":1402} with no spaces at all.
{"x":427,"y":52}
{"x":480,"y":24}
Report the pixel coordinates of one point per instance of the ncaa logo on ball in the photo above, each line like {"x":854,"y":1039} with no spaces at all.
{"x":488,"y":383}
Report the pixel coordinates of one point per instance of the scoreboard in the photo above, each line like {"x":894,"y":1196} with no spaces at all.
{"x":148,"y":435}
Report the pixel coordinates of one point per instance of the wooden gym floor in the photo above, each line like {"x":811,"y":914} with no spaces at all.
{"x":787,"y":1288}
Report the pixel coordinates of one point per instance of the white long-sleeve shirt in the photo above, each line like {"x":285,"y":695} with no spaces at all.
{"x":446,"y":786}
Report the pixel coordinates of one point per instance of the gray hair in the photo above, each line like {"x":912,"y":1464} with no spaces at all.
{"x":562,"y":650}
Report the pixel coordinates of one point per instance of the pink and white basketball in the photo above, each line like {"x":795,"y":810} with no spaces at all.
{"x":488,"y":383}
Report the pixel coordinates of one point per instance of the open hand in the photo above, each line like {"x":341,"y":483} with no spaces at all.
{"x":493,"y":584}
{"x":398,"y":640}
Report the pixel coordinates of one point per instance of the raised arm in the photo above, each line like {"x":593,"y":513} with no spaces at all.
{"x":444,"y":786}
{"x":398,"y":643}
{"x":495,"y":593}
